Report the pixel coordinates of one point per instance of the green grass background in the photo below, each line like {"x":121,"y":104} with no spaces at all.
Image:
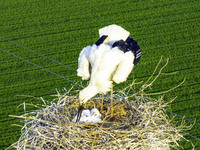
{"x":59,"y":29}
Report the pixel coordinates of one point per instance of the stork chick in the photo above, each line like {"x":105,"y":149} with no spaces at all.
{"x":84,"y":116}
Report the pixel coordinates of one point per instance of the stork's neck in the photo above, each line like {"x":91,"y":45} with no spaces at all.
{"x":87,"y":93}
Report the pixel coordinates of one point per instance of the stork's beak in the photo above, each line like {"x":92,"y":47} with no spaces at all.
{"x":80,"y":109}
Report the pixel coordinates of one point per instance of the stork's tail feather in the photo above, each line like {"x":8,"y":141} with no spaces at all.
{"x":114,"y":33}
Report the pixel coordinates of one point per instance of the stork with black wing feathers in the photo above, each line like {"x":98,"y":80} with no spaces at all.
{"x":112,"y":58}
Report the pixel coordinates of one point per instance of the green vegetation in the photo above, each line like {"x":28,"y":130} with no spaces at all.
{"x":59,"y":29}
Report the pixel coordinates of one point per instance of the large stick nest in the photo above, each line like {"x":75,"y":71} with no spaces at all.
{"x":137,"y":125}
{"x":140,"y":123}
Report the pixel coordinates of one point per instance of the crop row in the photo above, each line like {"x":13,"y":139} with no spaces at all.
{"x":75,"y":40}
{"x":38,"y":75}
{"x":157,"y":6}
{"x":66,"y":27}
{"x":153,"y":46}
{"x":72,"y":35}
{"x":59,"y":69}
{"x":66,"y":72}
{"x":176,"y":51}
{"x":18,"y":65}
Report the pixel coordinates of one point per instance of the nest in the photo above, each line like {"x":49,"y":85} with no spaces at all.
{"x":140,"y":123}
{"x":137,"y":125}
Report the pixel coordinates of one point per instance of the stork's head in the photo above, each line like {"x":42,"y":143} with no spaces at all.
{"x":95,"y":112}
{"x":84,"y":96}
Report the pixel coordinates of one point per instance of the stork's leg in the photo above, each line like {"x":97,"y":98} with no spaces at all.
{"x":101,"y":104}
{"x":111,"y":102}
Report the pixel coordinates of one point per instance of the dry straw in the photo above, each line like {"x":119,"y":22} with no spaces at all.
{"x":140,"y":123}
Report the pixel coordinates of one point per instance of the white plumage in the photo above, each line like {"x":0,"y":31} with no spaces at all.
{"x":95,"y":112}
{"x":95,"y":116}
{"x":108,"y":64}
{"x":92,"y":116}
{"x":84,"y":116}
{"x":114,"y":33}
{"x":112,"y":58}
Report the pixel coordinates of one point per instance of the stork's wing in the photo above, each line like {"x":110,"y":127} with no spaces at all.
{"x":83,"y":63}
{"x":124,"y":68}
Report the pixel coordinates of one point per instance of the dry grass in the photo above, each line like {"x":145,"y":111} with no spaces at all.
{"x":140,"y":124}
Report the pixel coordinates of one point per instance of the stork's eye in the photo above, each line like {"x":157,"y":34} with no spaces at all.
{"x":95,"y":115}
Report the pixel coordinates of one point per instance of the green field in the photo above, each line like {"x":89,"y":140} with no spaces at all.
{"x":59,"y":29}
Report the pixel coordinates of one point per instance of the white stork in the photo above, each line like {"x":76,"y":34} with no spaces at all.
{"x":84,"y":116}
{"x":90,"y":116}
{"x":112,"y":58}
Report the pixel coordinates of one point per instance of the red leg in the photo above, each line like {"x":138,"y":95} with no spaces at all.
{"x":111,"y":102}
